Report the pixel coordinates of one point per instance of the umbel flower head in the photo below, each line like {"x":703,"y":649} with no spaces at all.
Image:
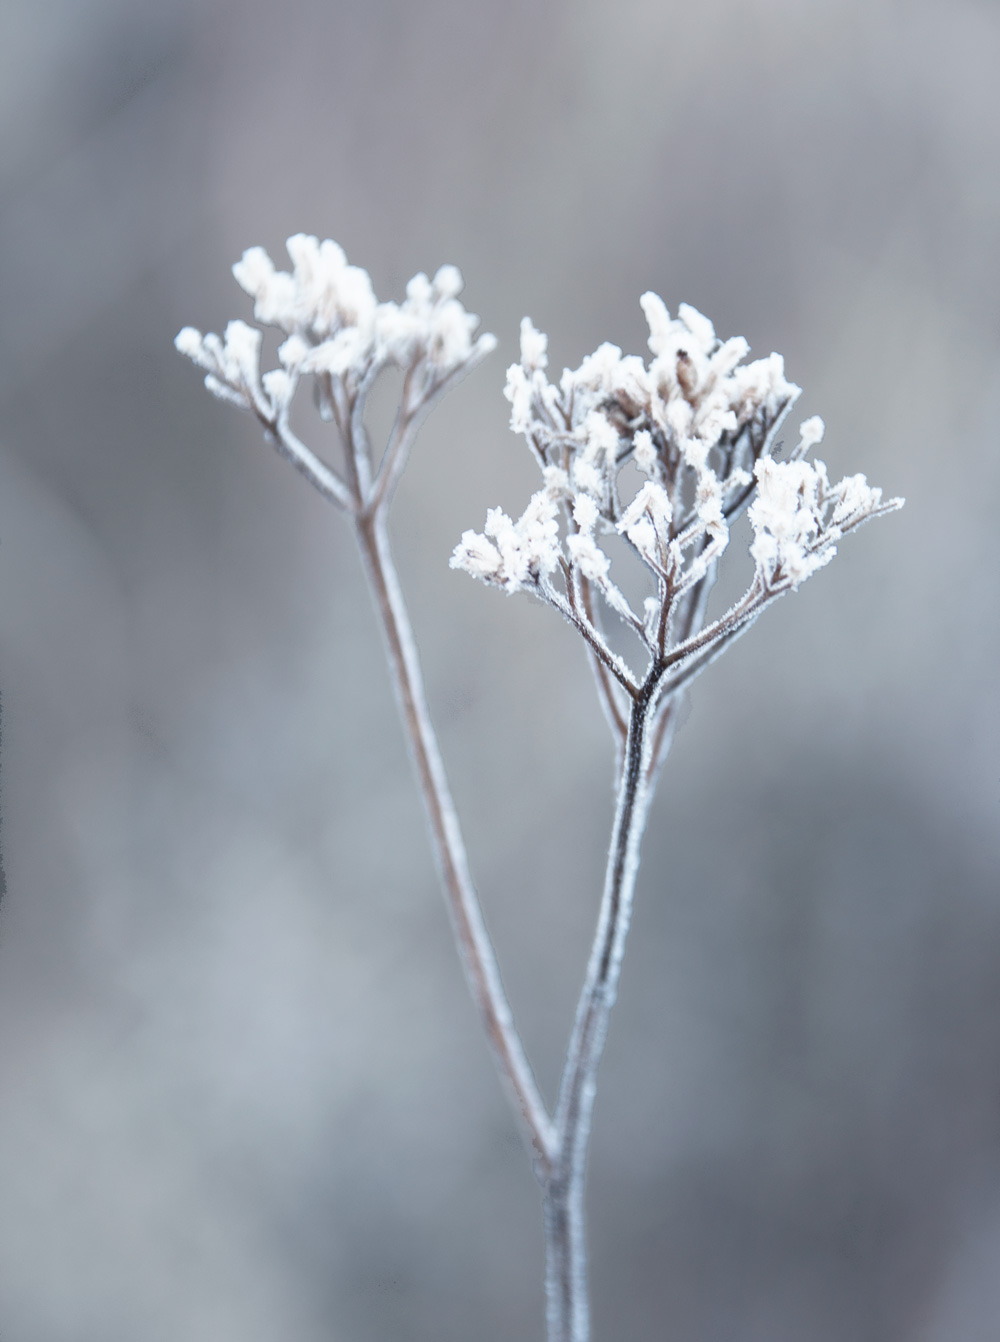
{"x":339,"y":337}
{"x":665,"y":454}
{"x":335,"y":329}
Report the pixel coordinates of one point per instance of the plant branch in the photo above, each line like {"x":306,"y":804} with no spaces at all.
{"x":617,"y":719}
{"x":568,"y":1312}
{"x":408,"y":423}
{"x":474,"y":944}
{"x":291,"y":447}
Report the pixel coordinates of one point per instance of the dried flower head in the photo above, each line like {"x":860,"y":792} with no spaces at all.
{"x":666,"y":454}
{"x":338,"y":334}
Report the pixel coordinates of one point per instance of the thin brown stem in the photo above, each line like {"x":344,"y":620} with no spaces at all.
{"x":319,"y":475}
{"x":605,"y":685}
{"x":474,"y":944}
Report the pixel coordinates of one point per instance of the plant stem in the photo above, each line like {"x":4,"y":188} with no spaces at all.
{"x":474,"y":944}
{"x":565,"y":1222}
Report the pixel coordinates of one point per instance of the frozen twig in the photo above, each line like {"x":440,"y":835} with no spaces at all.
{"x":699,"y":426}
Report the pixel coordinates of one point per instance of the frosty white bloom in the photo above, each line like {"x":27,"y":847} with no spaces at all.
{"x":855,"y":501}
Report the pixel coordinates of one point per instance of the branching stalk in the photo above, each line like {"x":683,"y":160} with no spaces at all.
{"x":581,"y":432}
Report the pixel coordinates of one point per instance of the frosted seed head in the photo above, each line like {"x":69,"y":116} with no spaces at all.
{"x":600,"y":434}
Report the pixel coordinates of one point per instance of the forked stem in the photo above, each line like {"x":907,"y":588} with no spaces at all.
{"x":560,"y":1147}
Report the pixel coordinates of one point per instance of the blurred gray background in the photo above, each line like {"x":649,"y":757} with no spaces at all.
{"x":243,"y":1093}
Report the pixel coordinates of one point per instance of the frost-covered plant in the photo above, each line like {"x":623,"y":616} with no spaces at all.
{"x":660,"y":457}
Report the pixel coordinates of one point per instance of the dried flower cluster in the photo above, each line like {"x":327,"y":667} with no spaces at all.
{"x":339,"y":335}
{"x":691,"y":436}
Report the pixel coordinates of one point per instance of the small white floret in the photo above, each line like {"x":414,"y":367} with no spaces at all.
{"x":534,"y":346}
{"x":448,"y":282}
{"x":811,"y":433}
{"x":476,"y":556}
{"x":188,"y":341}
{"x":658,"y":321}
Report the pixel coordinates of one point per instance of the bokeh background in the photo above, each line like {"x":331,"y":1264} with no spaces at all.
{"x":243,"y":1093}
